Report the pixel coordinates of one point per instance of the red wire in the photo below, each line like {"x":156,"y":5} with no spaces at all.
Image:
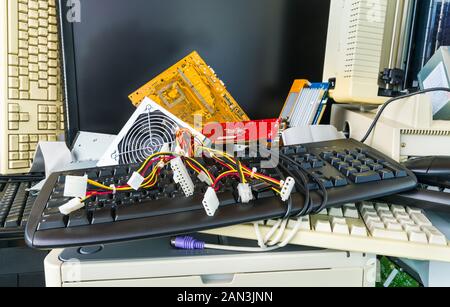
{"x":222,"y":177}
{"x":222,"y":163}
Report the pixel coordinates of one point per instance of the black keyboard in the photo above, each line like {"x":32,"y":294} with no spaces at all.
{"x":327,"y":174}
{"x":15,"y":205}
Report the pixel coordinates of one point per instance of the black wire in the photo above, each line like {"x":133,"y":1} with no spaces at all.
{"x":307,"y":203}
{"x":290,"y":203}
{"x":387,"y":103}
{"x":322,"y":187}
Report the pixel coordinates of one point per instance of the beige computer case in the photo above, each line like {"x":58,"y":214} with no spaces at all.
{"x":307,"y":268}
{"x":406,"y":128}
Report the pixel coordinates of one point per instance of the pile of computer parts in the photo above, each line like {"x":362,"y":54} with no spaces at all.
{"x":190,"y":160}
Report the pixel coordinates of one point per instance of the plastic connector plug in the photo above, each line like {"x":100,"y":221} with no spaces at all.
{"x":245,"y":193}
{"x":182,"y":177}
{"x":204,"y":178}
{"x":286,"y":188}
{"x":211,"y":202}
{"x":135,"y":181}
{"x":187,"y":243}
{"x":71,"y":206}
{"x":75,"y":186}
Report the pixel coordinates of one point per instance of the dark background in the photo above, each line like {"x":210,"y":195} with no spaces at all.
{"x":257,"y":47}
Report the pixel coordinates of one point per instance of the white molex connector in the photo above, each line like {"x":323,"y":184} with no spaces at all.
{"x":182,"y":177}
{"x":75,"y":186}
{"x":286,"y":188}
{"x":204,"y":178}
{"x":71,"y":206}
{"x":211,"y":202}
{"x":135,"y":181}
{"x":245,"y":193}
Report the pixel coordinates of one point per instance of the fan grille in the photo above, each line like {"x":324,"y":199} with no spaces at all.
{"x":147,"y":136}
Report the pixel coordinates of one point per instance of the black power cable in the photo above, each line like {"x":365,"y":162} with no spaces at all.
{"x":322,"y":187}
{"x":387,"y":103}
{"x":303,"y":186}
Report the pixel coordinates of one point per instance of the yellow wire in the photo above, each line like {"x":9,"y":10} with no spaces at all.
{"x":151,"y":177}
{"x":277,"y":191}
{"x":148,"y":179}
{"x":241,"y":171}
{"x":153,"y":156}
{"x":201,"y":167}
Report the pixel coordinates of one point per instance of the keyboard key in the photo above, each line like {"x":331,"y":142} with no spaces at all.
{"x":366,"y":177}
{"x":393,"y":225}
{"x":335,"y":162}
{"x":350,"y":211}
{"x":401,"y":215}
{"x":78,"y":218}
{"x":434,"y":236}
{"x":367,"y":161}
{"x":406,"y":222}
{"x":399,"y":173}
{"x":367,"y":206}
{"x":362,"y":168}
{"x":370,"y":214}
{"x":336,"y":212}
{"x":358,"y":230}
{"x":398,"y":209}
{"x":13,"y":18}
{"x":341,"y":229}
{"x":389,"y":234}
{"x":339,"y":181}
{"x":382,"y":207}
{"x":322,"y":226}
{"x":376,"y":167}
{"x":372,"y":225}
{"x":12,"y":222}
{"x":420,"y":219}
{"x":349,"y":171}
{"x":342,"y":165}
{"x":417,"y":236}
{"x":411,"y":210}
{"x":327,"y":155}
{"x":52,"y":222}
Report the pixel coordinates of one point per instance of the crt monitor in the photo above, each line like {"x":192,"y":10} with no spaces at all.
{"x":257,"y":47}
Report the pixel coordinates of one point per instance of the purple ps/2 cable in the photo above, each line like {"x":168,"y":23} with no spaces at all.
{"x":188,"y":243}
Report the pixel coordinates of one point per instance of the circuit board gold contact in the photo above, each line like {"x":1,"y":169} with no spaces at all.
{"x":191,"y":88}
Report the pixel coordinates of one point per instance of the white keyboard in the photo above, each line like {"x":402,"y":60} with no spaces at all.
{"x":30,"y":96}
{"x":368,"y":227}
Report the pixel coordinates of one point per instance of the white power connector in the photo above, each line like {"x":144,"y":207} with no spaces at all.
{"x":245,"y":193}
{"x":286,"y":188}
{"x":182,"y":177}
{"x":204,"y":178}
{"x":135,"y":181}
{"x":71,"y":206}
{"x":75,"y":186}
{"x":211,"y":202}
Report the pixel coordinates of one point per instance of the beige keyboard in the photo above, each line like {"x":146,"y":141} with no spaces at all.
{"x":31,"y":96}
{"x":369,"y":228}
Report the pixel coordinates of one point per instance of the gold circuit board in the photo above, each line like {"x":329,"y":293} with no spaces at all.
{"x":191,"y":88}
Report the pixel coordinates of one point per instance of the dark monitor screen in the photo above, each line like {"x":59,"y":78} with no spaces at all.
{"x":257,"y":47}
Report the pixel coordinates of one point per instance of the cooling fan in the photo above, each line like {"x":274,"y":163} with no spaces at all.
{"x":149,"y":130}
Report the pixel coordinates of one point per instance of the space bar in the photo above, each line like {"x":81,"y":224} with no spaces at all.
{"x":160,"y":207}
